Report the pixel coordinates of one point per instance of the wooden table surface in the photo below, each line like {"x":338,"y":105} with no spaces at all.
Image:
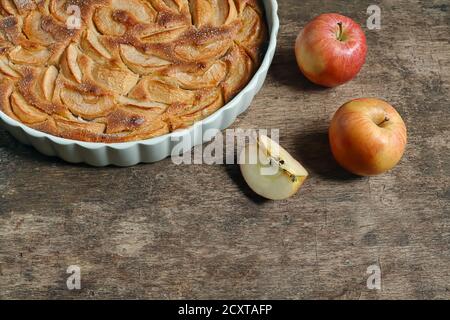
{"x":196,"y":231}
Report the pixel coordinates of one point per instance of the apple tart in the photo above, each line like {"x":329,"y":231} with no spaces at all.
{"x":124,"y":70}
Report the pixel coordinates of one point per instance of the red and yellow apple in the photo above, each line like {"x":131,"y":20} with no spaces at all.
{"x":367,"y":136}
{"x":331,"y":50}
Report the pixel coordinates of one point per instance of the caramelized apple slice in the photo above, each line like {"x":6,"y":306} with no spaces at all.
{"x":72,"y":62}
{"x":206,"y":43}
{"x":86,"y":106}
{"x":123,"y":120}
{"x":252,"y":33}
{"x":270,"y":170}
{"x":118,"y":81}
{"x":201,"y":12}
{"x":182,"y":116}
{"x":141,"y":11}
{"x":155,"y":106}
{"x":9,"y":6}
{"x":103,"y":19}
{"x":58,"y":8}
{"x":33,"y":31}
{"x":133,"y":56}
{"x":240,"y":68}
{"x":191,"y":52}
{"x":158,"y":90}
{"x":24,"y":5}
{"x":48,"y":82}
{"x":6,"y":68}
{"x":174,"y":6}
{"x":226,"y":12}
{"x":6,"y":88}
{"x":140,"y":62}
{"x":208,"y":79}
{"x":96,"y":46}
{"x":24,"y":111}
{"x":88,"y":126}
{"x":21,"y":55}
{"x":153,"y":33}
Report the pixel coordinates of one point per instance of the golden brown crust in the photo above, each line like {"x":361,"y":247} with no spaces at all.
{"x":135,"y":69}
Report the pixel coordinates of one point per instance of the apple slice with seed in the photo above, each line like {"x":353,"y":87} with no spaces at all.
{"x":270,"y":170}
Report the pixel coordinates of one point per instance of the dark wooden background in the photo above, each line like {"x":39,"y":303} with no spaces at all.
{"x":166,"y":231}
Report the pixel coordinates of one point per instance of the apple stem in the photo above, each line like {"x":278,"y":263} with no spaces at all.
{"x":386,"y":119}
{"x":341,"y":32}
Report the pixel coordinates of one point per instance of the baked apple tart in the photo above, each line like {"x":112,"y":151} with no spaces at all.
{"x":124,"y":70}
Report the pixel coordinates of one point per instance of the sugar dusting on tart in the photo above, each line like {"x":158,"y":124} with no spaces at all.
{"x":135,"y":69}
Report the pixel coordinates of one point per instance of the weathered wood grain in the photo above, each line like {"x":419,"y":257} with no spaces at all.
{"x":166,"y":231}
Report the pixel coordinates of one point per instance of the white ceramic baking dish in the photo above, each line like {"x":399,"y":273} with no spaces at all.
{"x":155,"y":149}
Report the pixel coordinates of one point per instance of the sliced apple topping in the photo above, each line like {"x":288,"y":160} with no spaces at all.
{"x":58,"y":8}
{"x":86,"y":106}
{"x":155,"y":106}
{"x":48,"y":82}
{"x":191,"y":52}
{"x":132,"y":55}
{"x":153,"y":33}
{"x":182,"y":116}
{"x":179,"y":6}
{"x":6,"y":87}
{"x":36,"y":56}
{"x":252,"y":33}
{"x":119,"y":81}
{"x":122,"y":119}
{"x":140,"y":62}
{"x":201,"y":12}
{"x":33,"y":31}
{"x":226,"y":12}
{"x":62,"y":10}
{"x":270,"y":170}
{"x":24,"y":5}
{"x":68,"y":126}
{"x":161,"y":90}
{"x":206,"y":79}
{"x":6,"y":68}
{"x":205,"y":43}
{"x":239,"y":70}
{"x":96,"y":46}
{"x":108,"y":20}
{"x":140,"y":10}
{"x":72,"y":62}
{"x":24,"y":111}
{"x":8,"y":6}
{"x":103,"y":19}
{"x":251,"y":28}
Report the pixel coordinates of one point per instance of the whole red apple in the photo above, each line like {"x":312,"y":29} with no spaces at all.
{"x":331,"y":50}
{"x":367,"y":136}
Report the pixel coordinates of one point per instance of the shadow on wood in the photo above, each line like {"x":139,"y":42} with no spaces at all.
{"x":9,"y":143}
{"x":29,"y":153}
{"x":235,"y":174}
{"x":313,"y":151}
